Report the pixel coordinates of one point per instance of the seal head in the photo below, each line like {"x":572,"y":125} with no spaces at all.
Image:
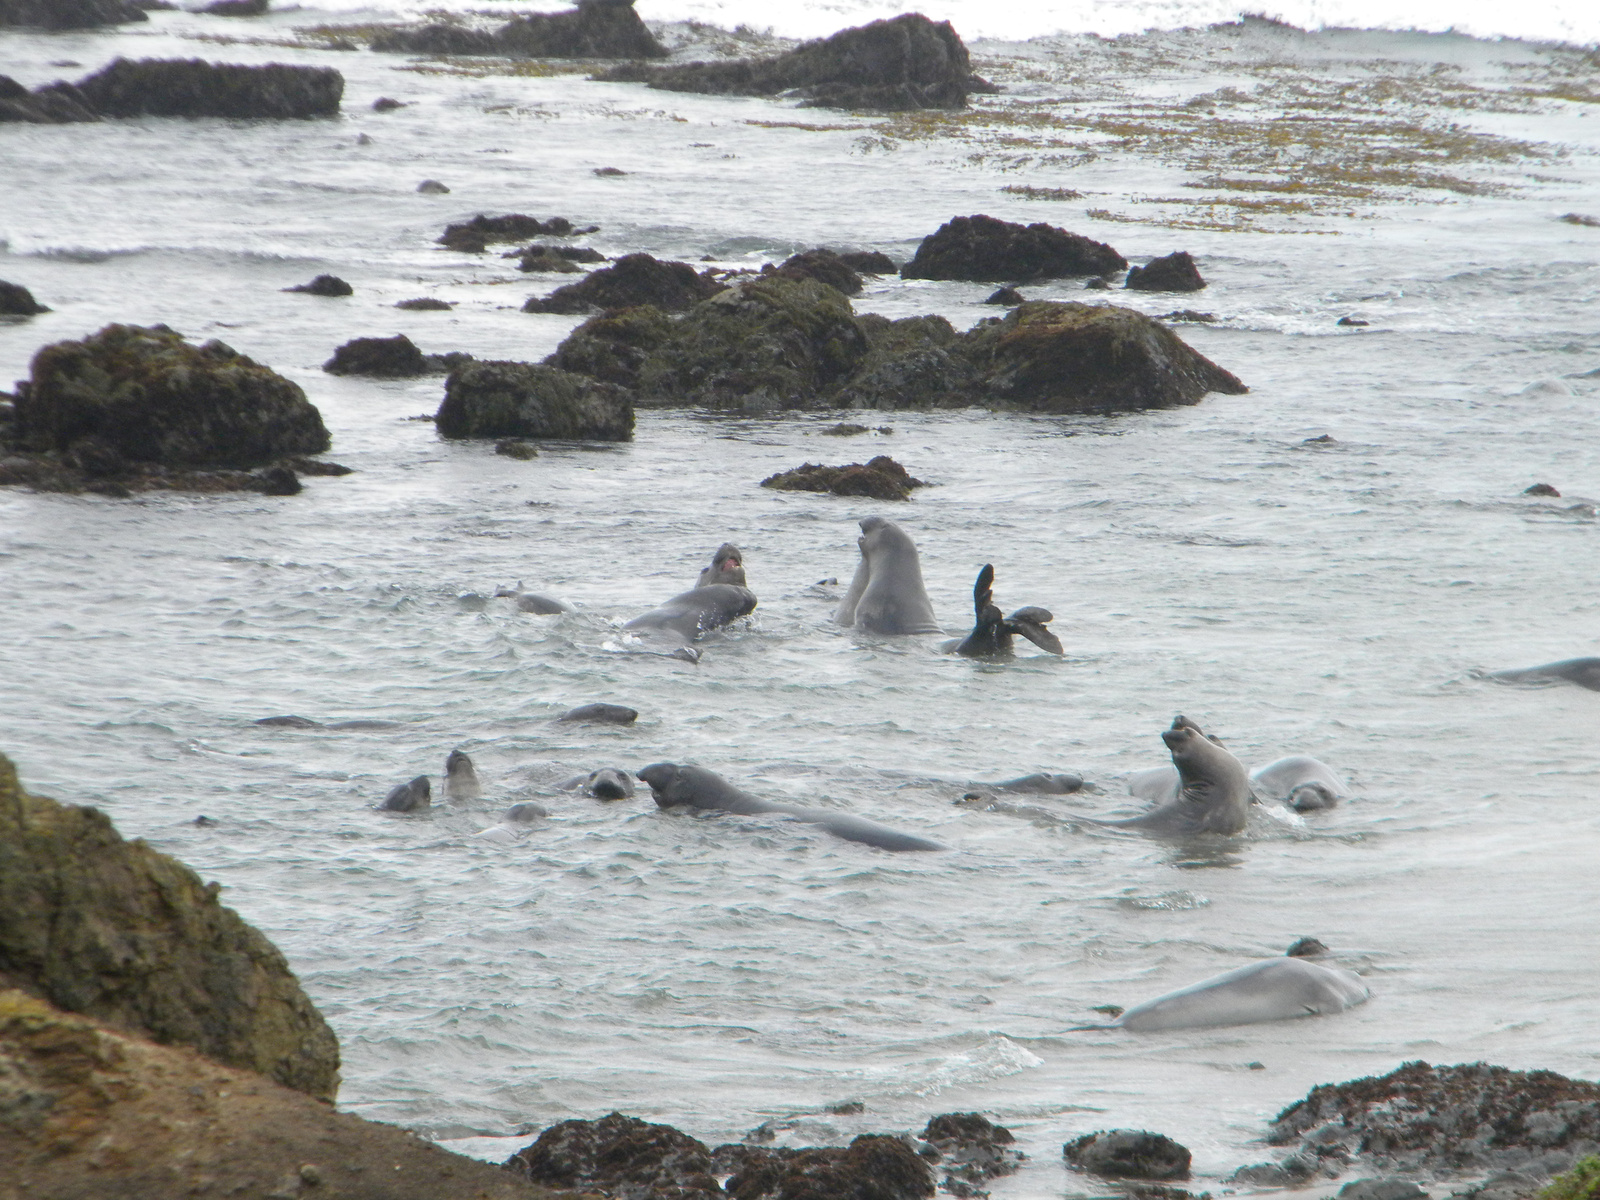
{"x":409,"y":797}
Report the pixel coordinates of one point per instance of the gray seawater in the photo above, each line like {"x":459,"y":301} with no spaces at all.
{"x":1329,"y":599}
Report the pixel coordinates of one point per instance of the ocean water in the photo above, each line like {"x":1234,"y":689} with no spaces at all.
{"x":1328,"y":598}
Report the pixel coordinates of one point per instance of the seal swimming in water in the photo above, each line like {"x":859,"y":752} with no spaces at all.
{"x":460,"y":778}
{"x":1214,"y":794}
{"x":727,"y":566}
{"x":718,"y":598}
{"x":887,"y":595}
{"x":409,"y":797}
{"x":533,"y":602}
{"x":293,"y":722}
{"x":1301,"y":782}
{"x":608,"y":783}
{"x":673,"y":785}
{"x":1273,"y":989}
{"x":1585,"y":672}
{"x":514,"y":823}
{"x":992,"y":633}
{"x":601,"y":714}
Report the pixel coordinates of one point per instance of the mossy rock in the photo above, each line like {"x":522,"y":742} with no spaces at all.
{"x":614,"y":345}
{"x":157,"y":87}
{"x":387,"y":358}
{"x":911,"y":363}
{"x":824,"y":266}
{"x":528,"y":400}
{"x":595,"y":29}
{"x":880,"y":479}
{"x":1175,"y":272}
{"x":18,"y":301}
{"x":632,"y":280}
{"x":146,"y":395}
{"x":68,"y":14}
{"x":983,"y":248}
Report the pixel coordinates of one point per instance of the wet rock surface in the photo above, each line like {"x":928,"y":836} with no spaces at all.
{"x":475,"y":236}
{"x":18,"y":301}
{"x":1176,"y":272}
{"x":527,"y":400}
{"x":914,"y":362}
{"x":624,"y":1157}
{"x":971,"y":1149}
{"x":615,"y":345}
{"x":68,"y":14}
{"x":982,"y":248}
{"x":156,"y":87}
{"x":1128,"y":1154}
{"x":323,"y":285}
{"x":904,"y":63}
{"x":882,"y":479}
{"x":595,"y":29}
{"x":634,"y":279}
{"x":425,"y":304}
{"x":869,"y":262}
{"x":822,"y":265}
{"x":872,"y":1167}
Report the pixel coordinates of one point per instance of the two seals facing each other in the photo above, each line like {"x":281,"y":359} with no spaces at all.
{"x":718,"y":598}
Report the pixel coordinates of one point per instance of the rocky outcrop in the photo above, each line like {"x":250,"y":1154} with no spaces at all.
{"x":157,"y":87}
{"x":323,"y":285}
{"x":971,"y":1149}
{"x":18,"y":301}
{"x":1175,"y":272}
{"x":388,"y":358}
{"x":237,"y":8}
{"x":881,"y":479}
{"x":546,"y":258}
{"x":632,"y":280}
{"x":985,"y":249}
{"x":822,"y":265}
{"x":68,"y":14}
{"x":117,"y":932}
{"x":525,"y":400}
{"x":53,"y":104}
{"x":1128,"y":1154}
{"x":904,"y":63}
{"x":614,"y":346}
{"x":1006,"y":297}
{"x":622,"y":1157}
{"x":425,"y":304}
{"x":87,"y":1111}
{"x":915,"y":362}
{"x":869,"y":262}
{"x":474,"y":236}
{"x":872,"y":1167}
{"x":595,"y":29}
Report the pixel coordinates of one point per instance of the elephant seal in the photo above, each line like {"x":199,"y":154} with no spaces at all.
{"x":1585,"y":672}
{"x":886,"y":595}
{"x":460,"y":779}
{"x":1214,"y":794}
{"x":608,"y":783}
{"x":514,"y":823}
{"x":1273,"y":989}
{"x":601,"y":714}
{"x":698,"y":611}
{"x":533,"y":602}
{"x":992,"y":633}
{"x":1301,"y":782}
{"x":727,"y":566}
{"x":673,"y":785}
{"x":294,"y":722}
{"x":409,"y":797}
{"x":1041,"y":784}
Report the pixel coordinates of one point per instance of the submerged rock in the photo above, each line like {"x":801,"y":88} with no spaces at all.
{"x":525,"y":400}
{"x":982,"y":248}
{"x":622,"y":1157}
{"x":869,"y":262}
{"x":1128,"y":1154}
{"x":18,"y":301}
{"x":425,"y":304}
{"x":125,"y":935}
{"x":882,"y":479}
{"x":157,"y":87}
{"x":595,"y":29}
{"x":433,"y":187}
{"x":68,"y":14}
{"x":872,"y":1167}
{"x":904,"y":63}
{"x":324,"y":285}
{"x":971,"y":1150}
{"x":474,"y":236}
{"x":1174,"y":273}
{"x":632,"y":280}
{"x":1006,"y":297}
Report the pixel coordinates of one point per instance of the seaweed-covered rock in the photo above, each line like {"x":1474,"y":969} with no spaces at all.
{"x":18,"y":301}
{"x":527,"y":400}
{"x":324,"y":285}
{"x":145,"y":395}
{"x":881,"y":479}
{"x":614,"y":345}
{"x":161,"y":87}
{"x":632,"y":280}
{"x":903,"y":63}
{"x":872,"y":1167}
{"x":388,"y":358}
{"x":971,"y":1149}
{"x":474,"y":236}
{"x":623,"y":1157}
{"x":69,"y":14}
{"x":115,"y":931}
{"x":1069,"y":357}
{"x":1175,"y":272}
{"x":822,"y":265}
{"x":1441,"y":1119}
{"x":550,"y":258}
{"x":595,"y":29}
{"x":1128,"y":1154}
{"x":1006,"y":297}
{"x":53,"y":104}
{"x":983,"y":248}
{"x":912,"y":363}
{"x":869,"y":262}
{"x":425,"y":304}
{"x":237,"y":8}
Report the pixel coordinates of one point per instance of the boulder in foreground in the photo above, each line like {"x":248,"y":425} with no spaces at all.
{"x":68,"y":14}
{"x":595,"y":29}
{"x":900,"y":64}
{"x":983,"y":248}
{"x":169,"y":87}
{"x":1174,"y":272}
{"x":1128,"y":1154}
{"x":117,"y":932}
{"x":526,"y":400}
{"x":880,"y":479}
{"x":619,"y":1156}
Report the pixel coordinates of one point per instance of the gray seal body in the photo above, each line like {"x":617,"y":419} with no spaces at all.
{"x":698,"y":611}
{"x":1304,"y":783}
{"x":409,"y":797}
{"x":1585,"y":672}
{"x":460,"y":778}
{"x":887,"y":596}
{"x":1214,"y":794}
{"x":533,"y":602}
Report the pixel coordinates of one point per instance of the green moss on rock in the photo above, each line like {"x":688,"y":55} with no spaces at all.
{"x":529,"y":400}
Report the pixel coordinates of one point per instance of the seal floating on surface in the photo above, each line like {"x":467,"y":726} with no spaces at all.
{"x":608,"y":783}
{"x":515,"y":823}
{"x":409,"y":797}
{"x":533,"y":602}
{"x":1214,"y":790}
{"x":1585,"y":672}
{"x":601,"y":714}
{"x":992,"y":633}
{"x":460,"y":778}
{"x":1304,"y":783}
{"x":887,"y":595}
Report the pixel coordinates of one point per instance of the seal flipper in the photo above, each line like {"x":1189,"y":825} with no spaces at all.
{"x":1030,"y":622}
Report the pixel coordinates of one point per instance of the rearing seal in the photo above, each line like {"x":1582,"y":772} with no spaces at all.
{"x":887,"y":595}
{"x":1214,"y":794}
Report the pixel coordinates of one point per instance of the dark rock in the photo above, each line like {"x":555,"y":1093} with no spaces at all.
{"x":869,"y":262}
{"x":117,"y":932}
{"x":880,"y":479}
{"x":432,"y":187}
{"x":387,"y":104}
{"x":1174,"y":273}
{"x":316,"y":466}
{"x":614,"y":345}
{"x":153,"y":397}
{"x":1095,"y":285}
{"x":983,"y":248}
{"x":822,"y":265}
{"x":911,"y":363}
{"x":1353,"y":322}
{"x":546,"y":263}
{"x":904,"y":63}
{"x":1008,"y":297}
{"x":1289,"y":1173}
{"x":1573,"y":218}
{"x":577,"y":254}
{"x":1518,"y":1185}
{"x":1382,"y":1189}
{"x":324,"y":285}
{"x":278,"y":481}
{"x":1421,"y":1118}
{"x":1049,"y":357}
{"x":632,"y":280}
{"x":443,"y":364}
{"x":971,"y":1149}
{"x":425,"y":304}
{"x":18,"y":301}
{"x":516,"y":448}
{"x":595,"y":29}
{"x":872,"y":1167}
{"x":844,"y":429}
{"x":68,"y":14}
{"x":388,"y":358}
{"x":1188,"y":315}
{"x":1541,"y":489}
{"x":523,"y":400}
{"x":609,"y":172}
{"x":474,"y":236}
{"x":1128,"y":1154}
{"x":237,"y":8}
{"x":624,"y":1157}
{"x":1322,"y":439}
{"x":157,"y":87}
{"x":53,"y":104}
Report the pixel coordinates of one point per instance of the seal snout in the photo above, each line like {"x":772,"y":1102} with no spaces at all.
{"x":659,"y":776}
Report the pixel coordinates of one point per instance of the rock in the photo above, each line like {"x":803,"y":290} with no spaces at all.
{"x":547,"y":258}
{"x":18,"y":301}
{"x":595,"y":29}
{"x":1541,"y":489}
{"x":432,"y":187}
{"x":872,"y":1167}
{"x":914,"y":362}
{"x":324,"y":285}
{"x":623,"y":1157}
{"x":387,"y":104}
{"x":1573,"y":218}
{"x":1128,"y":1154}
{"x":614,"y":345}
{"x":155,"y":87}
{"x":1515,"y":1185}
{"x":425,"y":304}
{"x":971,"y":1149}
{"x":146,"y":395}
{"x":881,"y":479}
{"x":1289,"y":1173}
{"x":524,"y":400}
{"x":1174,"y":273}
{"x":53,"y":104}
{"x":983,"y":248}
{"x":632,"y":280}
{"x":117,"y":932}
{"x":68,"y":14}
{"x":869,"y":262}
{"x":1382,"y":1189}
{"x":1009,"y":297}
{"x":474,"y":236}
{"x":236,"y":8}
{"x":92,"y":1111}
{"x":388,"y":358}
{"x":822,"y":265}
{"x":516,"y":448}
{"x":1188,"y":316}
{"x":609,"y":172}
{"x":317,"y":466}
{"x":549,"y":264}
{"x":904,"y":63}
{"x":278,"y":481}
{"x":844,"y":429}
{"x":1353,"y":322}
{"x":1069,"y":357}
